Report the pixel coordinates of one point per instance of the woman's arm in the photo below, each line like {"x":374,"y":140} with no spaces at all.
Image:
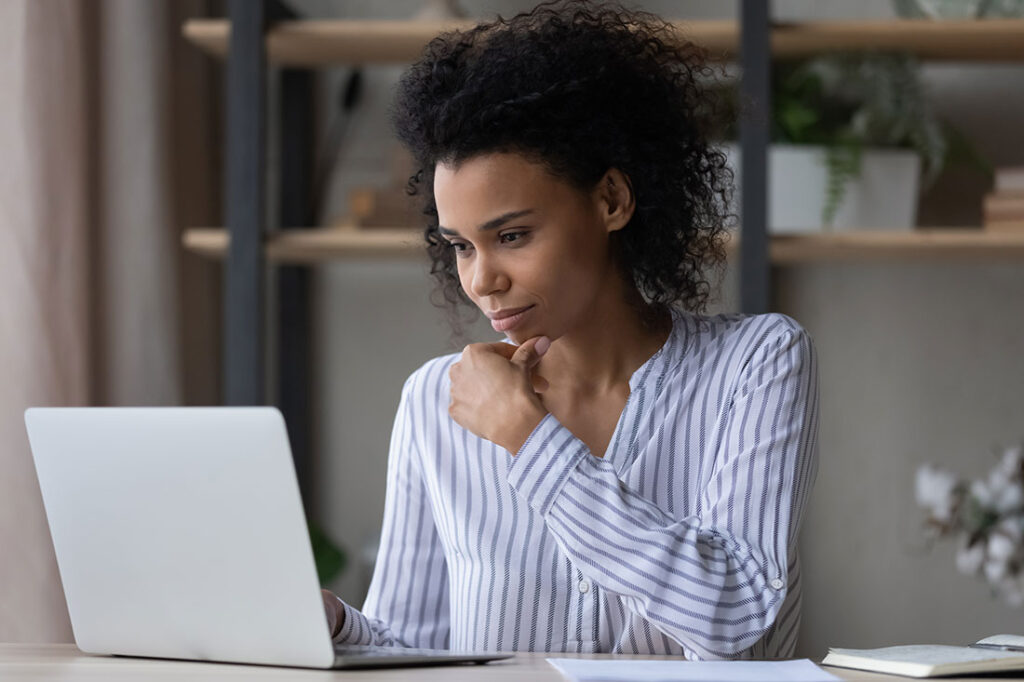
{"x":714,"y":582}
{"x":407,"y":603}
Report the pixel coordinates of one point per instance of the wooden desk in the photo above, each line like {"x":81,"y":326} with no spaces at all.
{"x":24,"y":662}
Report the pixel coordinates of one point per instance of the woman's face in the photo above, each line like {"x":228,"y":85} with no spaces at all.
{"x":524,"y":239}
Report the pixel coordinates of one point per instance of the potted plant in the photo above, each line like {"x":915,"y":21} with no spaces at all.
{"x":985,"y":518}
{"x":854,"y":138}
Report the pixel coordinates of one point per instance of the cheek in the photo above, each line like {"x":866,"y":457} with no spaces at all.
{"x":576,"y":282}
{"x":560,"y":271}
{"x":545,"y":280}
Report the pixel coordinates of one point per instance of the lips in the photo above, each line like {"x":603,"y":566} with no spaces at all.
{"x":505,"y":320}
{"x":506,"y":312}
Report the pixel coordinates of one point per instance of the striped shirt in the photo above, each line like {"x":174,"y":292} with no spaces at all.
{"x":680,"y":540}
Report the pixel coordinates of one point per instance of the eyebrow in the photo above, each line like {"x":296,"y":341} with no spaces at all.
{"x":492,"y":224}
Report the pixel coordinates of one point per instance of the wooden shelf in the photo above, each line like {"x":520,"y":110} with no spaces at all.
{"x":306,"y":246}
{"x":935,"y":244}
{"x":310,"y":246}
{"x":325,"y":42}
{"x":994,"y":40}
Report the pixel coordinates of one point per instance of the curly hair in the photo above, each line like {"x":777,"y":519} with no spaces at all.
{"x":581,"y":87}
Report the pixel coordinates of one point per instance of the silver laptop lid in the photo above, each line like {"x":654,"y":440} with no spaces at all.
{"x":179,"y":533}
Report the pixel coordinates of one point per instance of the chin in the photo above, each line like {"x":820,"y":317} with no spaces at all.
{"x":516,"y":336}
{"x":521,"y":336}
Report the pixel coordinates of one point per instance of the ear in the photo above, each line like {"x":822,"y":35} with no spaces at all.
{"x":614,"y":198}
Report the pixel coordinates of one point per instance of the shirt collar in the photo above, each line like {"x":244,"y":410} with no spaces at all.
{"x":654,"y":370}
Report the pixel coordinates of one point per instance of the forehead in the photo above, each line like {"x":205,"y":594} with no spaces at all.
{"x":497,"y":178}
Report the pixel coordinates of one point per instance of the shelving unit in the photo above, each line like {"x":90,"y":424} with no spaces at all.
{"x":330,"y":42}
{"x":322,"y":43}
{"x":313,"y":246}
{"x":264,"y":32}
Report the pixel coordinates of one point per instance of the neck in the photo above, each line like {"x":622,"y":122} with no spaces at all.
{"x":600,"y":354}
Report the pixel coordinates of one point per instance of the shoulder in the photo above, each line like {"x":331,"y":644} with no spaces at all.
{"x":733,"y":325}
{"x":430,"y":381}
{"x":744,"y":331}
{"x":735,"y":343}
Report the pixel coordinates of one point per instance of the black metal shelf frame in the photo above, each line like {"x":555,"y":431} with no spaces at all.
{"x":245,"y":381}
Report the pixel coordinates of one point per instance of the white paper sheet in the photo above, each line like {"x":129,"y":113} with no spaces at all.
{"x":647,"y":670}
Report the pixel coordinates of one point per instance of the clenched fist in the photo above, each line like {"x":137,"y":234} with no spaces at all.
{"x":492,"y":391}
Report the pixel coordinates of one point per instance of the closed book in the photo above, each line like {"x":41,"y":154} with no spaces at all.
{"x":1001,"y":206}
{"x":1010,"y":179}
{"x":1005,"y":225}
{"x":992,"y":654}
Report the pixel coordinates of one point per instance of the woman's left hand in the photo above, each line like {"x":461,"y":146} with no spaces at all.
{"x":492,"y":392}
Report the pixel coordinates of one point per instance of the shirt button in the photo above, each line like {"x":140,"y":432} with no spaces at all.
{"x":584,"y":586}
{"x":777,"y":584}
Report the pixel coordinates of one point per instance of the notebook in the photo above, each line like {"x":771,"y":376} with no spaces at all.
{"x":665,"y":669}
{"x":993,"y":654}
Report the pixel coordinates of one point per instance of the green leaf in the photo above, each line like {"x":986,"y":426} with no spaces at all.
{"x":977,"y":519}
{"x":797,"y":119}
{"x":330,"y":559}
{"x":842,"y":162}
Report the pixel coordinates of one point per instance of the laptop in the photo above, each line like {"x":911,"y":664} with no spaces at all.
{"x":180,"y":533}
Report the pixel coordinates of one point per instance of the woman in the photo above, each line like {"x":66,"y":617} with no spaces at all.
{"x":622,"y":473}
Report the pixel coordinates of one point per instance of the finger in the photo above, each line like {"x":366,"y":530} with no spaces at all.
{"x":506,"y":350}
{"x":529,"y":353}
{"x":329,"y":608}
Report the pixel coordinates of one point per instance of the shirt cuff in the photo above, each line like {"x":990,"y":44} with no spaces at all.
{"x":356,"y":629}
{"x":543,"y":465}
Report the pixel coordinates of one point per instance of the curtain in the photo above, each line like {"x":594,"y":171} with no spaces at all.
{"x":109,"y":130}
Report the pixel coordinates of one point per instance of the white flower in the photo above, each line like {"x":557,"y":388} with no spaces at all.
{"x":998,"y":480}
{"x":1001,"y":547}
{"x":981,"y":492}
{"x":1011,"y":499}
{"x":995,"y":571}
{"x":1010,"y":526}
{"x":1011,"y":461}
{"x":934,"y":490}
{"x":1005,"y":484}
{"x":970,"y":559}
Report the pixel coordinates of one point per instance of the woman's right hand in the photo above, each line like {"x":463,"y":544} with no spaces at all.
{"x":335,"y":612}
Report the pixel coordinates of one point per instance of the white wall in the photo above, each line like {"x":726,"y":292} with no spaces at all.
{"x":918,"y":362}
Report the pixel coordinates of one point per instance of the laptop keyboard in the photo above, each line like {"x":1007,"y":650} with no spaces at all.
{"x":370,"y":650}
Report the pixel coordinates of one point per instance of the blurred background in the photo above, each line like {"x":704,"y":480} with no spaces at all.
{"x":112,"y":129}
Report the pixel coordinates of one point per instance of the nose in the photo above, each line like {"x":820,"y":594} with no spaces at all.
{"x":487,"y":277}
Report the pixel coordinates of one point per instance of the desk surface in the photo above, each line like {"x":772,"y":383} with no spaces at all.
{"x":23,"y":662}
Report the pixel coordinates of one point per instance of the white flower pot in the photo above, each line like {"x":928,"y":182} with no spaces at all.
{"x":884,"y":197}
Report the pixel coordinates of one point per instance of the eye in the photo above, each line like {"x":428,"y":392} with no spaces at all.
{"x":458,"y":247}
{"x":519,"y":235}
